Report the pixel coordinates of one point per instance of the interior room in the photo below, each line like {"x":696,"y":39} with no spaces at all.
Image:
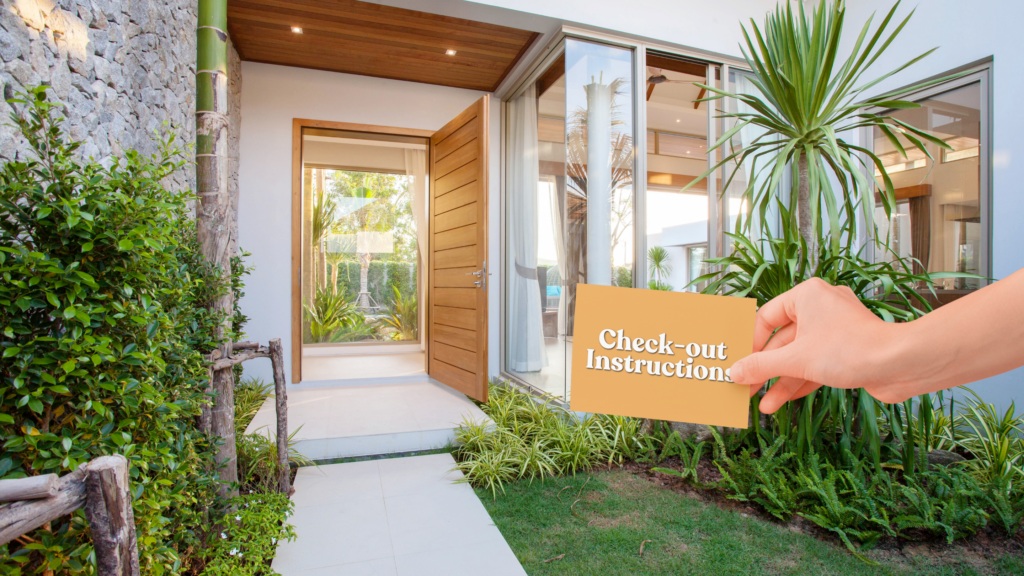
{"x":364,"y":198}
{"x":937,"y":222}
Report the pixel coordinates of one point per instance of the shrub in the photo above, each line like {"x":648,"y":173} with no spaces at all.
{"x":250,"y":394}
{"x":102,"y":308}
{"x":534,"y":438}
{"x":257,"y":460}
{"x":329,"y":313}
{"x":249,"y":535}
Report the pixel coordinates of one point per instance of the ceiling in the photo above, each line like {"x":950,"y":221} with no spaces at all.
{"x":374,"y":40}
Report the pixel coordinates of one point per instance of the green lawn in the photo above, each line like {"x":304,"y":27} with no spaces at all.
{"x":616,"y":511}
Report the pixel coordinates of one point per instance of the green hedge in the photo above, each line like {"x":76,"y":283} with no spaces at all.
{"x":102,"y":309}
{"x":381,"y":277}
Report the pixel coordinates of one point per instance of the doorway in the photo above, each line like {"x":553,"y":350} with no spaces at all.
{"x":389,"y":248}
{"x":363,"y":195}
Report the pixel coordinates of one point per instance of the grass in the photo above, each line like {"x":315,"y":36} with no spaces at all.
{"x":598,"y":521}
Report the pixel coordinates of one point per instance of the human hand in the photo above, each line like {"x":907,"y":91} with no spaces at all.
{"x":825,"y":336}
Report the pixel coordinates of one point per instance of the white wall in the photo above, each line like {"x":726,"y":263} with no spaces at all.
{"x":271,"y":97}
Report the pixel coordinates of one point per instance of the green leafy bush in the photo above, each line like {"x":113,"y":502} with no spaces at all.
{"x":102,"y":308}
{"x":330,"y":312}
{"x":536,"y":438}
{"x":249,"y":535}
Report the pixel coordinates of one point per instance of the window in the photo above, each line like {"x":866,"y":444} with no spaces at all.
{"x":941,"y":221}
{"x":569,"y":203}
{"x":576,"y":208}
{"x":677,"y":128}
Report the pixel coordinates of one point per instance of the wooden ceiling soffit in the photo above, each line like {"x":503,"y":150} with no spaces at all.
{"x":372,"y":40}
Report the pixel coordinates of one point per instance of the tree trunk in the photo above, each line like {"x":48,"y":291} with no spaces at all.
{"x":213,"y":211}
{"x":364,"y":282}
{"x":334,"y":277}
{"x":322,"y":263}
{"x":803,"y":204}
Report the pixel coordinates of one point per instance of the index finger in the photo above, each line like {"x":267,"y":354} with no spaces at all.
{"x":774,"y":314}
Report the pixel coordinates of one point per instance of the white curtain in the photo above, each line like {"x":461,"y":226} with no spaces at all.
{"x":557,"y":226}
{"x":526,"y":351}
{"x":746,"y":136}
{"x":416,"y":169}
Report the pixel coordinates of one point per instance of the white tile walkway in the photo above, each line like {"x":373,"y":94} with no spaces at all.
{"x":396,"y":517}
{"x":367,"y":420}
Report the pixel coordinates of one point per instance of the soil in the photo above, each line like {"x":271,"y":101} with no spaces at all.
{"x":978,"y":550}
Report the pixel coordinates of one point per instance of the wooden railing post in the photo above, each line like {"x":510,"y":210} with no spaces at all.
{"x":108,"y":508}
{"x":281,"y":401}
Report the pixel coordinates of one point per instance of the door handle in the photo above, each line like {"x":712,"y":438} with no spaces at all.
{"x":482,"y":275}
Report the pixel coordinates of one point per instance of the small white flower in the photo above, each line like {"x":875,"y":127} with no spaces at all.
{"x":233,"y":551}
{"x":223,"y":536}
{"x":250,"y":491}
{"x":273,"y":540}
{"x":239,"y":518}
{"x":239,"y":554}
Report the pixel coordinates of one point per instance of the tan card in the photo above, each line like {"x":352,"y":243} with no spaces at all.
{"x":660,"y":355}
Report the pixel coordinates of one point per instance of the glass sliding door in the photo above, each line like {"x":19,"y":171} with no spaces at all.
{"x":941,"y":219}
{"x":535,"y":262}
{"x":569,"y":203}
{"x":599,"y":165}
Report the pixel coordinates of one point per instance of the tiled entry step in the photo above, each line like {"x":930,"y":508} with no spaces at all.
{"x":370,"y":420}
{"x":396,"y":517}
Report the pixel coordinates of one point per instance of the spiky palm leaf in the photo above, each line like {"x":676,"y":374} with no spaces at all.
{"x":806,"y":98}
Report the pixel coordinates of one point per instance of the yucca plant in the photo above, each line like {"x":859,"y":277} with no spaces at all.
{"x":329,"y":312}
{"x":806,"y":98}
{"x":403,"y":317}
{"x":250,"y":394}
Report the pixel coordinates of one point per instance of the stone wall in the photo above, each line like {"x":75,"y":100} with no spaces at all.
{"x":123,"y":69}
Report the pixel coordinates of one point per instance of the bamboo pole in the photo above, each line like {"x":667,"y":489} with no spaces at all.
{"x":213,"y":211}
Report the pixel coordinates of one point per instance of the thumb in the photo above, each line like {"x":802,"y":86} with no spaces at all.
{"x":760,"y":367}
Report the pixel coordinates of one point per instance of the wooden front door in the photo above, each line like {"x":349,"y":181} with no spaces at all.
{"x":459,"y":283}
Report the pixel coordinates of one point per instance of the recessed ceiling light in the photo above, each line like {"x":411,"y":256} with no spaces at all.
{"x":450,"y":52}
{"x":677,"y":119}
{"x":296,"y":29}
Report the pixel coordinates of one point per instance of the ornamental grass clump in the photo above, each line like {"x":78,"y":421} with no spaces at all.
{"x":103,"y":310}
{"x":533,"y":437}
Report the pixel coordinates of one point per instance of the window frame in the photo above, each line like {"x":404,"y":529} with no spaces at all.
{"x":980,"y":73}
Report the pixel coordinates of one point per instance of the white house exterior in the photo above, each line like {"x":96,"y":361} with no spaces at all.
{"x":969,"y":36}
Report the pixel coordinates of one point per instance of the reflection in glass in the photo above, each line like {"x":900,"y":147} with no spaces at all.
{"x":599,"y":171}
{"x":738,"y":196}
{"x":569,"y":195}
{"x":937,"y":223}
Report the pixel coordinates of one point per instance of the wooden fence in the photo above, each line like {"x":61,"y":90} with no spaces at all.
{"x":99,"y":486}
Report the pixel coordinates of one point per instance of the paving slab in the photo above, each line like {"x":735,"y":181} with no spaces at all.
{"x":395,"y":517}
